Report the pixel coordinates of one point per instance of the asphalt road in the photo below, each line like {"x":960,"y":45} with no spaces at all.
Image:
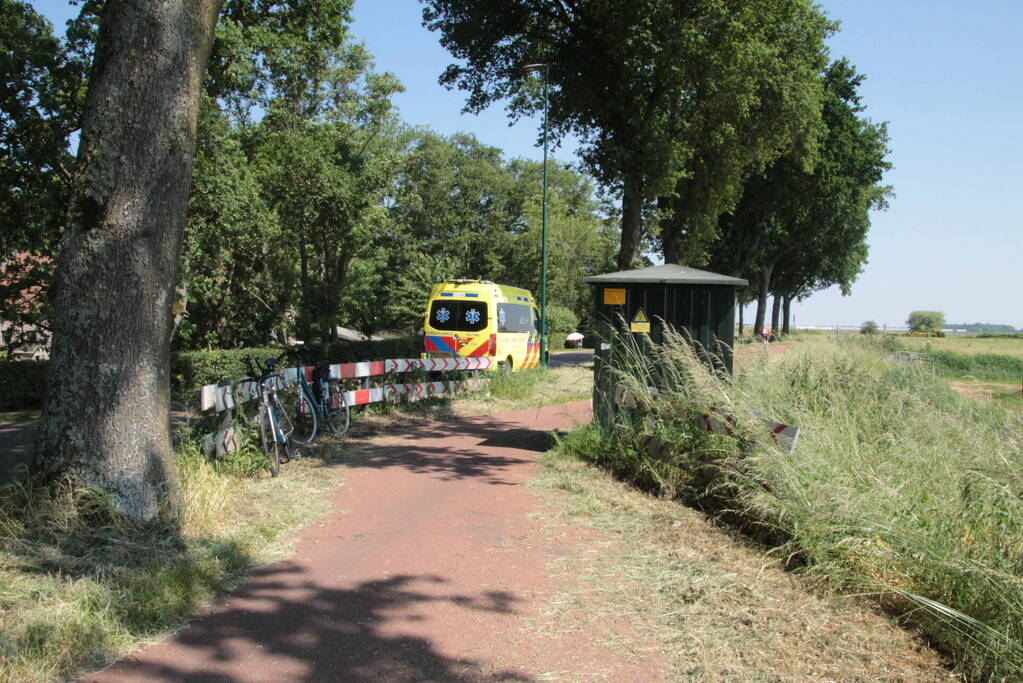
{"x":432,"y":566}
{"x":561,"y":359}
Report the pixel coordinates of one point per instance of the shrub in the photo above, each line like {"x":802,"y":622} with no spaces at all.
{"x":991,"y":367}
{"x":561,"y":320}
{"x":24,"y":383}
{"x":869,"y":327}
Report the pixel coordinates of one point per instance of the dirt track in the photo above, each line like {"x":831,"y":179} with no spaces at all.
{"x":430,"y":567}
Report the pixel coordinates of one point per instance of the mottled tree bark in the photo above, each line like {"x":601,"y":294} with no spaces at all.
{"x":669,"y":230}
{"x":632,"y":222}
{"x":786,"y":313}
{"x":765,"y":287}
{"x":106,"y":420}
{"x":775,"y":315}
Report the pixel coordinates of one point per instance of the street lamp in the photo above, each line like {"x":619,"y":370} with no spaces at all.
{"x":545,"y":68}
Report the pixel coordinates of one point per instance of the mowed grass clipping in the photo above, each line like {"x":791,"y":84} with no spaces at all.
{"x":80,"y":586}
{"x":659,"y":575}
{"x":899,"y":488}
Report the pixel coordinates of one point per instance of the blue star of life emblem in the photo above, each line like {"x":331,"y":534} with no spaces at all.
{"x":472,"y":316}
{"x":443,"y":315}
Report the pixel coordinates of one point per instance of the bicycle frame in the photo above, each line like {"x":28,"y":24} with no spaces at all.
{"x":323,"y":398}
{"x":267,"y":395}
{"x":274,"y":424}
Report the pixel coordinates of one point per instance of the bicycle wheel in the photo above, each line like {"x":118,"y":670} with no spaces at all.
{"x":303,"y":416}
{"x":335,"y":408}
{"x":269,"y":440}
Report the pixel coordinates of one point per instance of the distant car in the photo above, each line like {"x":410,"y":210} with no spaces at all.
{"x":574,"y":340}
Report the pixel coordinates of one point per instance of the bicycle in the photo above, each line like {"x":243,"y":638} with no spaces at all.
{"x":275,"y":427}
{"x":320,"y":402}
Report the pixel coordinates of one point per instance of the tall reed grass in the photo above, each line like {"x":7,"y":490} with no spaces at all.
{"x":898,"y":488}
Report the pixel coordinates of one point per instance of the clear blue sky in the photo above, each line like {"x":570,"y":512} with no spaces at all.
{"x":948,"y":78}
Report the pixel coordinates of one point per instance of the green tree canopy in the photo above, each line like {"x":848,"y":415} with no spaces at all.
{"x":650,"y":87}
{"x":38,"y":111}
{"x":459,"y":209}
{"x":798,"y":229}
{"x":925,"y":321}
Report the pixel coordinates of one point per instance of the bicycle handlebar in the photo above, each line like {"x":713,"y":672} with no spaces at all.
{"x":262,"y":371}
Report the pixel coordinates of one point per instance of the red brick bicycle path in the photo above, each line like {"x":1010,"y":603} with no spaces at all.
{"x":430,"y":567}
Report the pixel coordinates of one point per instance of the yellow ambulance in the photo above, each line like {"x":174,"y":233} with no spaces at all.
{"x":479,"y":318}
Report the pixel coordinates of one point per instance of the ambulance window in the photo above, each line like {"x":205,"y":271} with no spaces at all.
{"x":458,"y":315}
{"x":513,"y":318}
{"x":473,"y":316}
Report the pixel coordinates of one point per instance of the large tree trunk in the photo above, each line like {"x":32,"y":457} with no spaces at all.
{"x":775,"y":315}
{"x":306,"y":316}
{"x":106,"y":420}
{"x":765,"y":287}
{"x":741,"y":309}
{"x":669,"y":231}
{"x":632,"y":222}
{"x":786,"y":312}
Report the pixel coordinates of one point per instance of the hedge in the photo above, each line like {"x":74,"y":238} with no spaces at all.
{"x":24,"y":381}
{"x":190,"y":370}
{"x":354,"y":351}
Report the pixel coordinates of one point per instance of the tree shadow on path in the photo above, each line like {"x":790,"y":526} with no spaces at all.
{"x":450,"y":449}
{"x":279,"y":626}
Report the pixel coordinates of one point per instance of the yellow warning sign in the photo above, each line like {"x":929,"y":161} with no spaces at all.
{"x":614,"y":297}
{"x":640,"y":323}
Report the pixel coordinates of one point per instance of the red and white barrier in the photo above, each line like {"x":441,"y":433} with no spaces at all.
{"x":228,"y":395}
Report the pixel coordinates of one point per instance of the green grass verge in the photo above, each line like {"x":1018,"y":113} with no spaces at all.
{"x":15,"y":416}
{"x":80,"y":586}
{"x":989,"y":367}
{"x":899,"y":488}
{"x":1003,"y":346}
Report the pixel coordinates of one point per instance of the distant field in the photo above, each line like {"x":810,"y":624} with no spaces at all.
{"x":1002,"y":346}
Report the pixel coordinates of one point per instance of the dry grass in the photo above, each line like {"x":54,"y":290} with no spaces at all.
{"x":719,"y":608}
{"x":529,"y":389}
{"x":81,"y":587}
{"x":1008,"y":396}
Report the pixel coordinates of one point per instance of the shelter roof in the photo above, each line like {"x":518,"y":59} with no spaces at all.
{"x":669,"y":273}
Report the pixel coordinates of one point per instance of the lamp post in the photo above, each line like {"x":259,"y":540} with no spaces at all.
{"x":545,"y":68}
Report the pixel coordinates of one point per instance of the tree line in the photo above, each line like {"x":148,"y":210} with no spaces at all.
{"x":312,"y":205}
{"x":241,"y":170}
{"x":731,"y":139}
